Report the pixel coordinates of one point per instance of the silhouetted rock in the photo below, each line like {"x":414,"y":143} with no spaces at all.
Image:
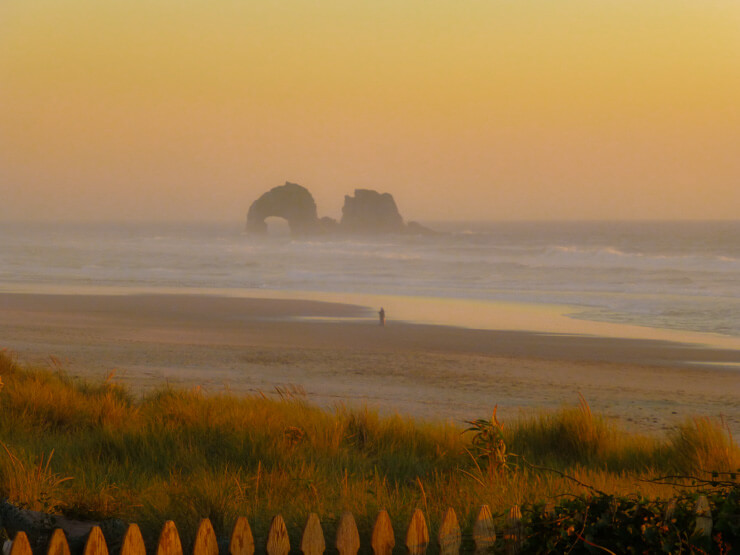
{"x":366,"y":212}
{"x":289,"y":201}
{"x":329,"y":225}
{"x":371,"y":212}
{"x":415,"y":228}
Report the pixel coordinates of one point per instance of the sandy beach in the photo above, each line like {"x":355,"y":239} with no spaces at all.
{"x":336,"y":353}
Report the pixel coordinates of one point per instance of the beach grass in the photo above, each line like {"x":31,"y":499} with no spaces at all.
{"x":94,"y":451}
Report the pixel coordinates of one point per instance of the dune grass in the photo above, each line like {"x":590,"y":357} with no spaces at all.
{"x":94,"y":451}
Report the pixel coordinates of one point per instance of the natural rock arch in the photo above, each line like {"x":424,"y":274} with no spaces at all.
{"x":367,"y":212}
{"x":289,"y":201}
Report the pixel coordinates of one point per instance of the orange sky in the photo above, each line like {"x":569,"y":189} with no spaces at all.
{"x":477,"y":109}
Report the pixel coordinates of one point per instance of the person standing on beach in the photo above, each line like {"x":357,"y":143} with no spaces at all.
{"x":381,"y":314}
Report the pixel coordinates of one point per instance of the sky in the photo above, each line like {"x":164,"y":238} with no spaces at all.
{"x":462,"y":109}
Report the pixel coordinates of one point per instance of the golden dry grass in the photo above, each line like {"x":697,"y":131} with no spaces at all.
{"x":184,"y":455}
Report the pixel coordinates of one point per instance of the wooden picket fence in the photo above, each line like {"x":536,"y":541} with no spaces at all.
{"x":347,"y":542}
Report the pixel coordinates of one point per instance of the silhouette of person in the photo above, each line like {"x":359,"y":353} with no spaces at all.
{"x":381,"y":314}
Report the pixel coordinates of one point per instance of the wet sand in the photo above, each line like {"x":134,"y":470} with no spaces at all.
{"x":337,"y":353}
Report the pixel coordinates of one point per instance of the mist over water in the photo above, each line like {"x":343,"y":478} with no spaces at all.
{"x":672,"y":275}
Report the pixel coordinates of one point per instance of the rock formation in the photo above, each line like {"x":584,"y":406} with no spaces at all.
{"x":289,"y":201}
{"x":371,"y":212}
{"x":366,"y":212}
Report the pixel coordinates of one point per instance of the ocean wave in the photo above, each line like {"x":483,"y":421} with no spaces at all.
{"x":662,"y":275}
{"x":612,"y":257}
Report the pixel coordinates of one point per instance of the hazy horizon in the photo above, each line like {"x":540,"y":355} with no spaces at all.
{"x":240,"y":221}
{"x":496,"y":111}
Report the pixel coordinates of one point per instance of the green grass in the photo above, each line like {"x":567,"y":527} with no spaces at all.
{"x":94,"y":451}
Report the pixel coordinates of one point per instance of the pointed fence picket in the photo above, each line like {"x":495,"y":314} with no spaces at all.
{"x":383,"y":540}
{"x":449,"y":536}
{"x":205,"y":539}
{"x":58,"y":544}
{"x":169,"y":540}
{"x":348,"y":538}
{"x":703,"y":516}
{"x":21,"y":545}
{"x":242,"y":541}
{"x":417,"y":535}
{"x":514,"y":531}
{"x":96,"y":545}
{"x":133,"y":542}
{"x":278,"y":542}
{"x":484,"y":535}
{"x":313,"y":542}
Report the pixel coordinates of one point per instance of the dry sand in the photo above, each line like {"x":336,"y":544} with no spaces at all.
{"x":336,"y":353}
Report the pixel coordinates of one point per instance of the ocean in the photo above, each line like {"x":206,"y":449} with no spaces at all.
{"x":667,"y":275}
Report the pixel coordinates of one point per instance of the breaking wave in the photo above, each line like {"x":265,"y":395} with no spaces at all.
{"x":657,"y":274}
